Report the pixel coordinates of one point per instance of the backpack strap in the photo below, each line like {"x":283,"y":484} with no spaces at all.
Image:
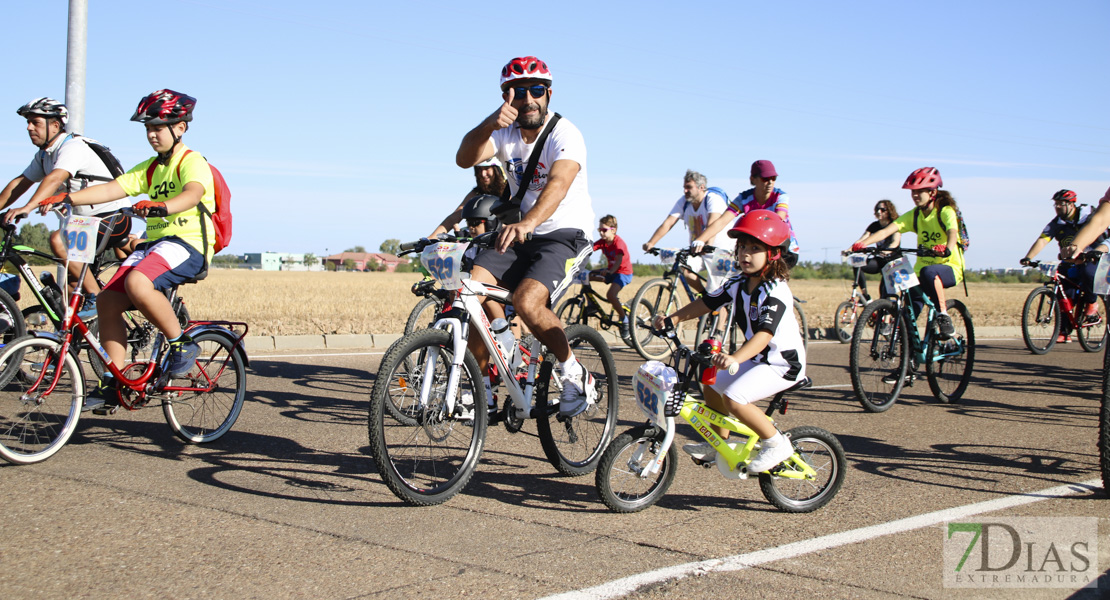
{"x":530,"y":170}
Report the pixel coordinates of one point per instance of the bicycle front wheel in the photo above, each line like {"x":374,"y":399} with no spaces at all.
{"x":658,"y":296}
{"x":823,"y":453}
{"x":1092,"y":331}
{"x":217,"y":388}
{"x":949,"y":362}
{"x":570,"y":311}
{"x":879,"y":356}
{"x":36,"y":421}
{"x":844,"y":320}
{"x":430,"y":457}
{"x":423,"y":315}
{"x":1040,"y":320}
{"x":619,"y":479}
{"x":574,"y":445}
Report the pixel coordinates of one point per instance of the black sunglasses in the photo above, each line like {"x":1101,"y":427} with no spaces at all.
{"x":537,"y":91}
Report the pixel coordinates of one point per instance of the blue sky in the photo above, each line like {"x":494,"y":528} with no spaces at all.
{"x":336,"y":122}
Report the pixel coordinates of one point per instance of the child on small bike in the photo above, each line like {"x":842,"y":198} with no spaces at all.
{"x":934,"y":220}
{"x":177,"y":180}
{"x":618,"y":271}
{"x":772,"y":357}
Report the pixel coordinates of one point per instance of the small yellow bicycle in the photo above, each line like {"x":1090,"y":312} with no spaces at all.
{"x":640,"y":464}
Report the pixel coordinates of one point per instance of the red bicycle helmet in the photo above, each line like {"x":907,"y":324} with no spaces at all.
{"x":763,"y":225}
{"x":165,"y":107}
{"x":925,"y":178}
{"x":1064,"y":196}
{"x":524,"y":67}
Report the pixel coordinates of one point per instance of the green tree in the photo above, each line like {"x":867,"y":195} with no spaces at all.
{"x":356,"y":249}
{"x":37,"y":236}
{"x":349,"y":264}
{"x":310,"y":259}
{"x":390,"y":246}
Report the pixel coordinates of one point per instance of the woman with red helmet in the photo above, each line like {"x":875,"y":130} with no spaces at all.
{"x":180,"y":238}
{"x":934,"y":219}
{"x":772,"y":357}
{"x":1070,"y":218}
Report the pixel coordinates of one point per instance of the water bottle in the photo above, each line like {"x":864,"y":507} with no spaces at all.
{"x":52,"y":292}
{"x":712,"y":346}
{"x":503,"y":335}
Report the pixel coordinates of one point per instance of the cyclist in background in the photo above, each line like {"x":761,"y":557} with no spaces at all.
{"x":489,"y":180}
{"x":885,"y":213}
{"x":176,"y":180}
{"x":64,"y":163}
{"x":1070,"y":218}
{"x":556,"y":212}
{"x":934,"y":220}
{"x":618,"y":270}
{"x":1096,"y":225}
{"x":697,"y":208}
{"x":763,"y":195}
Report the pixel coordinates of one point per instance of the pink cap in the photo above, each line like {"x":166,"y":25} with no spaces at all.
{"x":763,"y":168}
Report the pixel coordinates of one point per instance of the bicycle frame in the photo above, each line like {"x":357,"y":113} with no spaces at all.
{"x":1058,"y":283}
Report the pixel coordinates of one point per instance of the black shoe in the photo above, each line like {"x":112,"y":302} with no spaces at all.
{"x":892,"y":378}
{"x":104,"y":398}
{"x":944,"y":325}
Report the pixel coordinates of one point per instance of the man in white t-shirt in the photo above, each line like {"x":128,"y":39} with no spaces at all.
{"x":697,"y":208}
{"x":556,"y":210}
{"x":64,"y":163}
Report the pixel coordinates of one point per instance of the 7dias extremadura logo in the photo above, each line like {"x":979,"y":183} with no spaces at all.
{"x":1030,"y":552}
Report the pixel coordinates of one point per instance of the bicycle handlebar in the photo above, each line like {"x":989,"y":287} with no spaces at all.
{"x":920,"y":251}
{"x":1089,"y":256}
{"x":486,"y":240}
{"x":700,"y":356}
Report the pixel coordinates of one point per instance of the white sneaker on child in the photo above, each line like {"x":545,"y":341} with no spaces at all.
{"x":773,"y":451}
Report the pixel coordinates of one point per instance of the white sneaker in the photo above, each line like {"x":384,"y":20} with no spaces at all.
{"x":577,"y":389}
{"x":771,"y":454}
{"x":465,"y":407}
{"x":702,"y":451}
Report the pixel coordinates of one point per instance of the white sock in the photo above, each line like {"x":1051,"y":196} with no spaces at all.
{"x":570,"y":368}
{"x":490,"y":400}
{"x":775,"y":440}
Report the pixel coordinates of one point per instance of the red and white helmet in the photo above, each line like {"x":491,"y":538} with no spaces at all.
{"x":524,"y":67}
{"x":925,"y":178}
{"x":763,"y":225}
{"x":165,"y":107}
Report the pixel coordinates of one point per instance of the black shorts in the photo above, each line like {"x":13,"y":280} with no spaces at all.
{"x":114,"y":225}
{"x":547,"y":258}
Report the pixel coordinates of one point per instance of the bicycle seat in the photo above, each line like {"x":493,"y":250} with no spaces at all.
{"x":804,"y":383}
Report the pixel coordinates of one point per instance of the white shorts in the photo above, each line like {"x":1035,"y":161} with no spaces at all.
{"x":753,"y":381}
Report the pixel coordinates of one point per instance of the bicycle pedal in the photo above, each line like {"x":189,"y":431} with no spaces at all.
{"x":105,"y":410}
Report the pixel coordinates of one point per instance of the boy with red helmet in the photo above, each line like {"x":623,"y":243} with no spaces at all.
{"x":772,"y":357}
{"x":1070,"y":218}
{"x":178,"y":246}
{"x":934,"y":220}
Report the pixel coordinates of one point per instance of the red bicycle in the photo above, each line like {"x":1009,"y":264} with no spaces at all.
{"x":1050,"y":313}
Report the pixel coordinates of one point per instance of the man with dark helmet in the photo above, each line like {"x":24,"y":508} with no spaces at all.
{"x":64,"y":162}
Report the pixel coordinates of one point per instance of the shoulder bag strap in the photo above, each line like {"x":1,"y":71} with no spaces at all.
{"x":533,"y":160}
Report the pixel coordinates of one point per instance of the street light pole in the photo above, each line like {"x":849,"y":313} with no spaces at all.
{"x":76,"y":51}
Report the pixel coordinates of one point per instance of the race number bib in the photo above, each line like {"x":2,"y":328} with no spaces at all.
{"x":856,"y":260}
{"x":1049,"y":269}
{"x":719,"y":264}
{"x":666,"y":256}
{"x":444,"y":262}
{"x":653,"y":384}
{"x":581,"y":277}
{"x":1102,"y":276}
{"x":80,"y":232}
{"x":899,"y":274}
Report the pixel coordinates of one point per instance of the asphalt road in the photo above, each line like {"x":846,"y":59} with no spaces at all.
{"x":290,"y":505}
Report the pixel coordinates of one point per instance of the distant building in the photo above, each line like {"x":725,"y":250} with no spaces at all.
{"x":360,"y":260}
{"x":278,"y":261}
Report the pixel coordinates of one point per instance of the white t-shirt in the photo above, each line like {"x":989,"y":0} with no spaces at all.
{"x":72,"y":154}
{"x":565,"y":143}
{"x":697,"y":219}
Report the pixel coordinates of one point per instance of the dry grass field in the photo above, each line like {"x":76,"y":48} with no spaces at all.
{"x":292,"y":303}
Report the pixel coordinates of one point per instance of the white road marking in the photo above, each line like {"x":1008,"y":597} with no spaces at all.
{"x":627,"y":585}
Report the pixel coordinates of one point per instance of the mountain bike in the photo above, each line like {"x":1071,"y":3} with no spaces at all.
{"x":887,"y":348}
{"x":428,"y":411}
{"x":844,"y":319}
{"x":40,"y":407}
{"x":639,"y":465}
{"x":591,"y":308}
{"x":1049,"y":311}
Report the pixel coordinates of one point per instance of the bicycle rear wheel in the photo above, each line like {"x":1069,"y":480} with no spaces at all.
{"x":1092,"y":334}
{"x":1040,"y":320}
{"x":574,"y":445}
{"x":658,"y":296}
{"x":423,"y":314}
{"x":618,"y":479}
{"x":430,"y":457}
{"x":34,"y":423}
{"x":206,"y":414}
{"x":821,"y":451}
{"x":570,"y":311}
{"x":950,"y":361}
{"x":800,"y":316}
{"x":844,"y":320}
{"x":12,"y":327}
{"x":880,"y":350}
